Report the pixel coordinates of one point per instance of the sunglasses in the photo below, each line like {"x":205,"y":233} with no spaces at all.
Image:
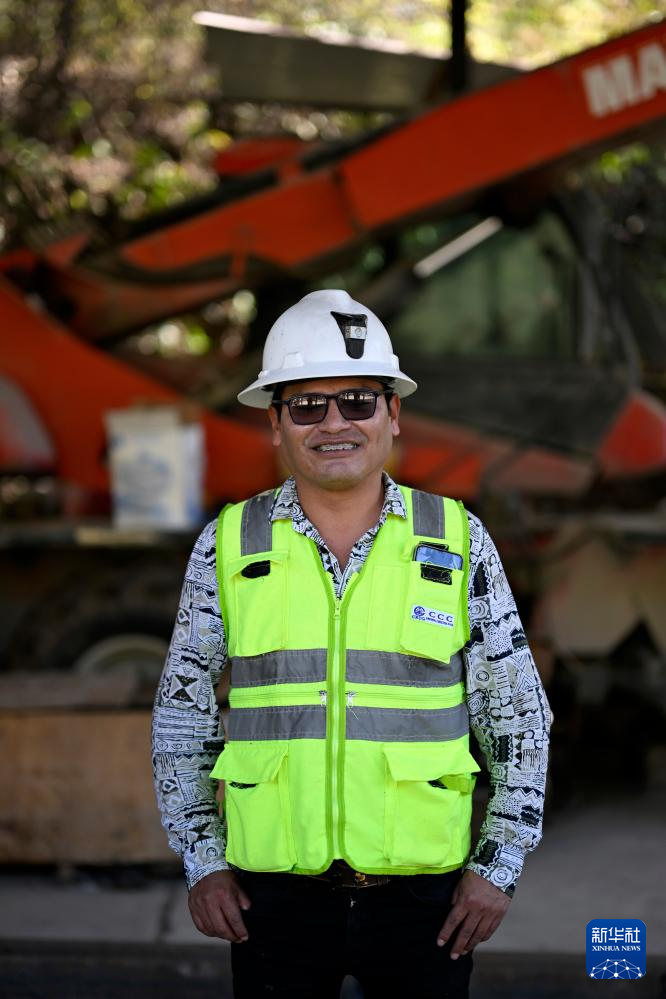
{"x":312,"y":407}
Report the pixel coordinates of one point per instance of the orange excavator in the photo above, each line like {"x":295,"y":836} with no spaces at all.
{"x":509,"y":296}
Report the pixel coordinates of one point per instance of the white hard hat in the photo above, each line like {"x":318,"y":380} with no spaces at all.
{"x":325,"y":335}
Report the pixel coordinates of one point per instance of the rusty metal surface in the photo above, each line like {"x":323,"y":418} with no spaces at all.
{"x":260,"y":61}
{"x":89,"y":533}
{"x":24,"y":690}
{"x":598,"y":592}
{"x":80,"y":788}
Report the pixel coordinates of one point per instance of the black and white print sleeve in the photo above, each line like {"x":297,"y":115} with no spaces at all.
{"x":187,"y":735}
{"x":509,"y":715}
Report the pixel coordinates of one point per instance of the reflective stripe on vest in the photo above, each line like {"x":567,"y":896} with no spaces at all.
{"x":305,"y":721}
{"x":256,"y":528}
{"x":363,"y":666}
{"x":428,"y":514}
{"x":348,"y":723}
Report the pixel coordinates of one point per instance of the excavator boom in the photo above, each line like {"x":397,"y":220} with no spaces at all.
{"x":290,"y":218}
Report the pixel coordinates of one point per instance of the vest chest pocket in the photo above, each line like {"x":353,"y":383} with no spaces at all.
{"x":434,"y":622}
{"x":428,"y":805}
{"x":256,"y":803}
{"x":260,"y":608}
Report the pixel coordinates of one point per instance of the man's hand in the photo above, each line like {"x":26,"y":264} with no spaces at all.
{"x":478,"y":908}
{"x":215,"y":906}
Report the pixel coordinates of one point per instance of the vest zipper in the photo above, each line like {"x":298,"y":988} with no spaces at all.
{"x":333,"y":699}
{"x":244,"y":697}
{"x":336,"y":692}
{"x":409,"y":698}
{"x":338,"y":717}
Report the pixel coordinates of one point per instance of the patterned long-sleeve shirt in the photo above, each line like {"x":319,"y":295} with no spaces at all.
{"x":508,"y":710}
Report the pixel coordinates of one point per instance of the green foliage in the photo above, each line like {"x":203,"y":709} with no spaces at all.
{"x":108,"y":108}
{"x":104,"y":108}
{"x":418,"y":23}
{"x":630,"y":182}
{"x":531,"y":33}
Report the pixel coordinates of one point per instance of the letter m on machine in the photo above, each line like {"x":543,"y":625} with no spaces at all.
{"x":626,"y":79}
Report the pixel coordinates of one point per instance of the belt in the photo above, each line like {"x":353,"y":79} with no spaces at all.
{"x":341,"y":875}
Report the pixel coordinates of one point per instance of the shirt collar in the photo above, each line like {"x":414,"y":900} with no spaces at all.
{"x":286,"y":504}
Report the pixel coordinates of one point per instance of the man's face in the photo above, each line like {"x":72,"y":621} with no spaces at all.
{"x":307,"y":451}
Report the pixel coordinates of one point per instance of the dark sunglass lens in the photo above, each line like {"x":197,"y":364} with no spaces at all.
{"x":357,"y":405}
{"x":307,"y":409}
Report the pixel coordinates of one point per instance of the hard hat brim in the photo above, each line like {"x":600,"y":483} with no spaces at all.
{"x":259,"y":393}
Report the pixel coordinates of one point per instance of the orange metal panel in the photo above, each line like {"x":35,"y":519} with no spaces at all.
{"x":470,"y":143}
{"x":303,"y":218}
{"x":458,"y":461}
{"x":71,"y":385}
{"x":105,"y":305}
{"x":252,"y":154}
{"x":636,"y":443}
{"x":486,"y":137}
{"x":19,"y":259}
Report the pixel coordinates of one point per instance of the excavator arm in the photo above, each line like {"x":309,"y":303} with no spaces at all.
{"x":289,"y":217}
{"x":288,"y":214}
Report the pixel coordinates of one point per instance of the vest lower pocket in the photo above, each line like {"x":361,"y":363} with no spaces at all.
{"x":256,"y":803}
{"x":428,"y":809}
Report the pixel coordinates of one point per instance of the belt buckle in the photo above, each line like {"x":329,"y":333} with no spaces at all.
{"x":345,"y":876}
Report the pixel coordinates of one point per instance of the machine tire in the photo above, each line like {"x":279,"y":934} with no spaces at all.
{"x":120,"y":618}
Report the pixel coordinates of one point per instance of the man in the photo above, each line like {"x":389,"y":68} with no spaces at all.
{"x":367,"y":626}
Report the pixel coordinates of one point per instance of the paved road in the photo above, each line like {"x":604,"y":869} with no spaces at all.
{"x":603,"y":860}
{"x":92,"y":936}
{"x":157,"y":971}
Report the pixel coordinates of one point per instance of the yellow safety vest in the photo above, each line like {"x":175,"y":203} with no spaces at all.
{"x":348,"y":729}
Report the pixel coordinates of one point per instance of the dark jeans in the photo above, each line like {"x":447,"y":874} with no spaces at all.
{"x":305,"y":935}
